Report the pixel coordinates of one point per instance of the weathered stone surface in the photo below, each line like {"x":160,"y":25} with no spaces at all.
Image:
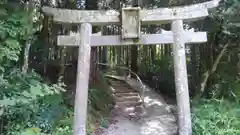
{"x":160,"y":15}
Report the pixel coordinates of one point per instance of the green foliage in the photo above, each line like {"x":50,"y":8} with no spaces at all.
{"x":24,"y":98}
{"x":227,"y":78}
{"x":231,"y":15}
{"x":64,"y":125}
{"x":225,"y":19}
{"x":216,"y":117}
{"x":98,"y":101}
{"x":29,"y":106}
{"x":27,"y":102}
{"x":18,"y":88}
{"x":104,"y":123}
{"x":17,"y":25}
{"x":31,"y":131}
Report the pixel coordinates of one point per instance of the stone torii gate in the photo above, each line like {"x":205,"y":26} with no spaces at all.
{"x":131,"y":19}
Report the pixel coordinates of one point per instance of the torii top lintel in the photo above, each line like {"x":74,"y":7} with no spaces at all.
{"x":154,"y":16}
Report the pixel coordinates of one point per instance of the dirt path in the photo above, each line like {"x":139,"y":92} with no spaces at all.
{"x":157,"y":119}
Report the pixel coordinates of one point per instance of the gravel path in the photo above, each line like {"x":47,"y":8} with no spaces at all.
{"x":158,"y":119}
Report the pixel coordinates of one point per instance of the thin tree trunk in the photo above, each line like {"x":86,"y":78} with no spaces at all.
{"x":162,"y":51}
{"x":26,"y":55}
{"x":62,"y":63}
{"x":45,"y":35}
{"x":208,"y":73}
{"x":118,"y":55}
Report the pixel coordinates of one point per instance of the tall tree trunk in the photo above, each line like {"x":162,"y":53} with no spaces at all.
{"x":114,"y":55}
{"x":99,"y":54}
{"x":194,"y":82}
{"x":94,"y":70}
{"x":166,"y":47}
{"x":134,"y":49}
{"x":118,"y":55}
{"x":153,"y":53}
{"x":134,"y":56}
{"x":104,"y":56}
{"x":45,"y":35}
{"x":145,"y":55}
{"x":127,"y":56}
{"x":110,"y":54}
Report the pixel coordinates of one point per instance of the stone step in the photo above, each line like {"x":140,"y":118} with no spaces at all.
{"x":123,"y":90}
{"x":118,"y":82}
{"x":127,"y":98}
{"x":126,"y":94}
{"x":129,"y":103}
{"x":121,"y":86}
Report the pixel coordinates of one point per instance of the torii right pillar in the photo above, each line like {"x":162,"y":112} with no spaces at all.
{"x":180,"y":72}
{"x":181,"y":81}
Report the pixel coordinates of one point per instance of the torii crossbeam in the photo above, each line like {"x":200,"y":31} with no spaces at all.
{"x":131,"y":20}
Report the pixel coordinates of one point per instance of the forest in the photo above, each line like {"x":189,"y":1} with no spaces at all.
{"x":38,"y":77}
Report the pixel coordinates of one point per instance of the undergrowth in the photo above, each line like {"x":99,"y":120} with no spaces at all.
{"x":25,"y":101}
{"x":220,"y":113}
{"x":100,"y":102}
{"x":216,"y":117}
{"x":28,"y":106}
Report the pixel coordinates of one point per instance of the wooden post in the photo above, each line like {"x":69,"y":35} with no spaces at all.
{"x":83,"y":67}
{"x":181,"y":80}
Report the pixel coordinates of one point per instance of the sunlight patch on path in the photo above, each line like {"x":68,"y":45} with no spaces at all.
{"x":158,"y":120}
{"x":124,"y":127}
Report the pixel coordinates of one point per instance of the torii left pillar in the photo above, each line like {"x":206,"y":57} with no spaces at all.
{"x":83,"y":69}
